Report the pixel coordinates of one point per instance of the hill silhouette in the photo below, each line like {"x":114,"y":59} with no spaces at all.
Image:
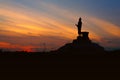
{"x":82,"y":45}
{"x":82,"y":55}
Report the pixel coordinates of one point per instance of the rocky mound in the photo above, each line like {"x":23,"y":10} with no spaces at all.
{"x":82,"y":45}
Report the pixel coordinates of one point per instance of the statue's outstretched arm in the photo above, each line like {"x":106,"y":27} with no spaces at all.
{"x":76,"y":25}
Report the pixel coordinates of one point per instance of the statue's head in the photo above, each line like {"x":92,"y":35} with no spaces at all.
{"x":80,"y":19}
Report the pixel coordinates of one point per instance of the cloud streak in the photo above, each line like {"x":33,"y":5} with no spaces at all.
{"x":40,"y":22}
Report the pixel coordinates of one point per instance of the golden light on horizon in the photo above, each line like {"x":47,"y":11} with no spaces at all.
{"x":48,"y":23}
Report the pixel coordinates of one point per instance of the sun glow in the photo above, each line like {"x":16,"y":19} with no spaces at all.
{"x":25,"y":28}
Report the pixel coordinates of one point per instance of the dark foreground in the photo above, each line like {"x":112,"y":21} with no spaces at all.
{"x":53,"y":64}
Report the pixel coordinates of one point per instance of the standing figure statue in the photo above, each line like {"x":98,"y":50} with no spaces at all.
{"x":79,"y":26}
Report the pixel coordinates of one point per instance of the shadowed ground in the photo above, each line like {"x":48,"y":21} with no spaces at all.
{"x":81,"y":57}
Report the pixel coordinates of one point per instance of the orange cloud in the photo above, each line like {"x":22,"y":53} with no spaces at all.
{"x":23,"y":24}
{"x":108,"y":27}
{"x":20,"y":21}
{"x":6,"y":45}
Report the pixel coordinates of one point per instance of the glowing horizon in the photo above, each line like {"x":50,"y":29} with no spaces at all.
{"x":28,"y":25}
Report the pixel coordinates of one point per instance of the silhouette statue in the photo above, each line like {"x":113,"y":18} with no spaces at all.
{"x":79,"y":26}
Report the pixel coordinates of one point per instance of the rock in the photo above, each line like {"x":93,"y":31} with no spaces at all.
{"x":82,"y":45}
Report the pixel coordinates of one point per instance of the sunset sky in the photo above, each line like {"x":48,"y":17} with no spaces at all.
{"x":33,"y":25}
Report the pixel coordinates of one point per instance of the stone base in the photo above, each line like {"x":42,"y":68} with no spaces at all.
{"x":83,"y":38}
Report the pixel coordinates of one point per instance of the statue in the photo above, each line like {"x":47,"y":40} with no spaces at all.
{"x":82,"y":35}
{"x":79,"y":26}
